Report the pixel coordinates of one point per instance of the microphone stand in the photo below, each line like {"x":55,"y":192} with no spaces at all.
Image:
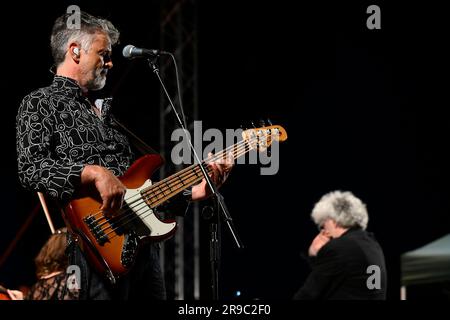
{"x":220,"y":205}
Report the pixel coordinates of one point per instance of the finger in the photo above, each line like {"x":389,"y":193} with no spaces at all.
{"x":218,"y":173}
{"x":210,"y":156}
{"x":220,"y":169}
{"x":122,"y":198}
{"x":222,"y":159}
{"x":229,"y":163}
{"x":213,"y":173}
{"x":326,"y":234}
{"x":113,"y":206}
{"x":106,"y":205}
{"x":230,"y":159}
{"x":117,"y":202}
{"x":12,"y":294}
{"x":323,"y":236}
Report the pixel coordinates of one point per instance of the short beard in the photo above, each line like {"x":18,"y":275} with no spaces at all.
{"x":98,"y":81}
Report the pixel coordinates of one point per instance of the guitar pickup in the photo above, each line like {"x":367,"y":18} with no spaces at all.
{"x":96,"y":230}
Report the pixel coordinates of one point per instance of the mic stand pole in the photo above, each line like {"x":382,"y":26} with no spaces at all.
{"x":221,"y":207}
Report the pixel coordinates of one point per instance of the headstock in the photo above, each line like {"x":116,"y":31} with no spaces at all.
{"x":261,"y":138}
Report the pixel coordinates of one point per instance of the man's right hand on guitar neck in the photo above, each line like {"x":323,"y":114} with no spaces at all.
{"x":110,"y":188}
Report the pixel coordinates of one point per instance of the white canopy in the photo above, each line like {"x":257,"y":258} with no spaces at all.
{"x":427,"y":264}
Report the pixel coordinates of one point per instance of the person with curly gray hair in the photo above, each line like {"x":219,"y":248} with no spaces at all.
{"x":347,"y":262}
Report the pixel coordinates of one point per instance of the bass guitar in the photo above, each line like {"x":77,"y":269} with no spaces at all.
{"x":111,"y":243}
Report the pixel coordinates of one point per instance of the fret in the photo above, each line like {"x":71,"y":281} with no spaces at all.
{"x":168,"y":186}
{"x":160,"y":189}
{"x":185,"y":179}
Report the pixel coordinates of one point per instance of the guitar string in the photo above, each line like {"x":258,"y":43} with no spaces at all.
{"x":189,"y":170}
{"x":134,"y":216}
{"x":174,"y":180}
{"x":188,"y":174}
{"x":221,"y":154}
{"x":114,"y":225}
{"x":128,"y":218}
{"x":177,"y":176}
{"x":130,"y":210}
{"x":148,"y":193}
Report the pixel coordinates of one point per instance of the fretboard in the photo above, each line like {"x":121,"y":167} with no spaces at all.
{"x":169,"y":187}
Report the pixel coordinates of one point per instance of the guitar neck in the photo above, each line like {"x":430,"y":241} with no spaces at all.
{"x":167,"y":188}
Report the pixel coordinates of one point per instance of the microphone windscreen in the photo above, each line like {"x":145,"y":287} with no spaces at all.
{"x":126,"y":52}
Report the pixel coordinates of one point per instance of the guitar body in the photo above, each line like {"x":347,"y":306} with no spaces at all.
{"x":112,"y":249}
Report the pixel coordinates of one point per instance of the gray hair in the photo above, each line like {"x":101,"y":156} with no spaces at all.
{"x":342,"y":207}
{"x":62,"y":34}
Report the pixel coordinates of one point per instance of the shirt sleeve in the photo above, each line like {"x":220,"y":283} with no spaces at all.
{"x":38,"y":167}
{"x":325,"y":268}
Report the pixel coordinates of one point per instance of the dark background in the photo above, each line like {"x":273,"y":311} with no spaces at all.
{"x":364,"y":111}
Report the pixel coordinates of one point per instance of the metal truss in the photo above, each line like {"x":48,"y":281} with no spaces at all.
{"x":180,"y":256}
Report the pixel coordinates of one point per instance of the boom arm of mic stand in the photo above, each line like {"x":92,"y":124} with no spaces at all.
{"x":220,"y":200}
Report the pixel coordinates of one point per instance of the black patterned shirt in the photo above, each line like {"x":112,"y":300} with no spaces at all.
{"x":58,"y":132}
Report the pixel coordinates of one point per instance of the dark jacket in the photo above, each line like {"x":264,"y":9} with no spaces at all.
{"x":340,"y":270}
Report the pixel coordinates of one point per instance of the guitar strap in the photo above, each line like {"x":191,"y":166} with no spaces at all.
{"x":140,"y":145}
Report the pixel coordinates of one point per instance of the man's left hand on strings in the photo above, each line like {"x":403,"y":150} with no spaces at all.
{"x":220,"y":170}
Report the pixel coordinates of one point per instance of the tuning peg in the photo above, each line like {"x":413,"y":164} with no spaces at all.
{"x":262,"y":123}
{"x":269,"y":122}
{"x":253,"y":124}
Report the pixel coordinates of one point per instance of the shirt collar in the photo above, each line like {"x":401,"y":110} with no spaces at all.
{"x":351,"y":229}
{"x":104,"y":105}
{"x":71,"y":88}
{"x":67,"y":85}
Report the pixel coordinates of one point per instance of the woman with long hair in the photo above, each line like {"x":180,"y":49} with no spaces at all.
{"x":51,"y":265}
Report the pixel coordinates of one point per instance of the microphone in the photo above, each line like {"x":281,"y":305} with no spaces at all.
{"x":131,"y":52}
